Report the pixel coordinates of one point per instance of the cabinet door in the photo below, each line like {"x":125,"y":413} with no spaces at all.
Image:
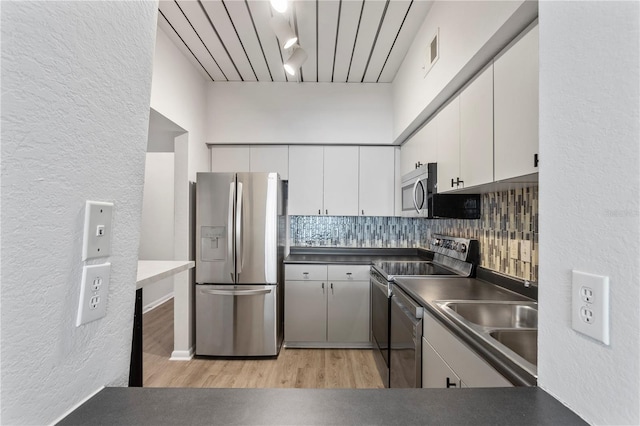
{"x":476,"y":130}
{"x":435,"y":372}
{"x":273,"y":158}
{"x":348,"y":312}
{"x":341,"y":180}
{"x":410,"y":155}
{"x":306,"y":169}
{"x":229,"y":159}
{"x":448,"y":128}
{"x":516,"y":108}
{"x":305,"y":311}
{"x":376,"y":181}
{"x":468,"y":365}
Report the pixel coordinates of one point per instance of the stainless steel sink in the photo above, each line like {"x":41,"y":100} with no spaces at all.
{"x":510,"y":327}
{"x":522,"y":342}
{"x":497,"y":314}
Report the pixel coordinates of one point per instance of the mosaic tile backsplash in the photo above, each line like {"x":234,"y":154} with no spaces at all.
{"x":508,"y":218}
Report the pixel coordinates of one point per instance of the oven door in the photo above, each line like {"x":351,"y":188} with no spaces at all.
{"x":380,"y":325}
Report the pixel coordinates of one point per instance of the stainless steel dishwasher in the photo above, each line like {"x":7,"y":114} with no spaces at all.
{"x":405,"y":360}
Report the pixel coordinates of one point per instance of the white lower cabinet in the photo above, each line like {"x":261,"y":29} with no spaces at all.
{"x":467,"y":367}
{"x":326,"y":310}
{"x":435,"y":372}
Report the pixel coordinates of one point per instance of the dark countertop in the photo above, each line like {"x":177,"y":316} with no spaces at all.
{"x":427,"y":291}
{"x":353,"y":255}
{"x":180,"y":406}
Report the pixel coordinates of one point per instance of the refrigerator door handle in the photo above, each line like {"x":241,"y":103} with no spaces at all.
{"x":239,"y":231}
{"x":236,"y":292}
{"x":232,"y":190}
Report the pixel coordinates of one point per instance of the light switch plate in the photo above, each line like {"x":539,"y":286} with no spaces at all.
{"x":97,"y":230}
{"x":590,"y":305}
{"x":513,"y":249}
{"x":94,"y":292}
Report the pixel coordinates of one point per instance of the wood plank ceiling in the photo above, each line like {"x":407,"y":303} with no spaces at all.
{"x":352,"y":41}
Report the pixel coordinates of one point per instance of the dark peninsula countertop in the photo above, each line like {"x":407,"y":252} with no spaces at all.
{"x":162,"y":406}
{"x":353,"y":255}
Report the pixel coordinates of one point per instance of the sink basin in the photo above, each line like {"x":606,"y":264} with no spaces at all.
{"x":522,"y":342}
{"x":497,"y":314}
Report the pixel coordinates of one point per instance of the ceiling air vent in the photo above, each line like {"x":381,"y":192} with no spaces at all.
{"x":432,"y":52}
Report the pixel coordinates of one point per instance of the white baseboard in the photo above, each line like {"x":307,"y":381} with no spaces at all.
{"x":156,"y":303}
{"x":75,"y":407}
{"x":182,"y":355}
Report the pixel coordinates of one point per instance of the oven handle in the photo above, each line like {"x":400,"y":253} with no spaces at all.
{"x":236,"y":292}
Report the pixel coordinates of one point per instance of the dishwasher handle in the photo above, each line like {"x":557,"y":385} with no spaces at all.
{"x":236,"y":292}
{"x":404,"y":301}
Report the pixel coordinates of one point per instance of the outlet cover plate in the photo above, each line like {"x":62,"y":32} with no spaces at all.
{"x":590,"y":305}
{"x":97,"y":230}
{"x":525,"y":250}
{"x":94,"y":292}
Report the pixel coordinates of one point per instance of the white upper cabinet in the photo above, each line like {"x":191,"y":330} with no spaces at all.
{"x":256,"y":158}
{"x":448,"y":130}
{"x":422,"y":148}
{"x":516,"y":108}
{"x":306,"y":180}
{"x":341,"y":180}
{"x":229,"y":159}
{"x":271,"y":158}
{"x":476,"y":130}
{"x":377,"y":184}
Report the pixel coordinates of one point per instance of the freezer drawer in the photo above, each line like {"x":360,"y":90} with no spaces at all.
{"x":237,"y":320}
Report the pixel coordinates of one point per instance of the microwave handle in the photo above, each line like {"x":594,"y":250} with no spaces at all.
{"x":415,"y":201}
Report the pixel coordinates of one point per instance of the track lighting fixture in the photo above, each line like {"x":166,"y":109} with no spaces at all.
{"x":295,"y":61}
{"x":285,"y":34}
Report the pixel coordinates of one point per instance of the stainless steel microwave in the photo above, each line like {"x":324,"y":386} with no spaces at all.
{"x":420,"y":198}
{"x":414,"y":192}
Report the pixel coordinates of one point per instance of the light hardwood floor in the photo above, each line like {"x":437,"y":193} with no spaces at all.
{"x":294,"y":368}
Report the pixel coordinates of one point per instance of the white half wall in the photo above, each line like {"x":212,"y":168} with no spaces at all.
{"x":76,"y":83}
{"x":471,"y":33}
{"x":590,"y":202}
{"x":303,"y":113}
{"x":157,"y":226}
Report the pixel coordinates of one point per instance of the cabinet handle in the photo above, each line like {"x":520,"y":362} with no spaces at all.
{"x":305,"y":275}
{"x":323,"y":287}
{"x":457,"y":182}
{"x":349,"y":275}
{"x":452,"y":182}
{"x":326,"y":211}
{"x":535,"y":160}
{"x":319,"y":211}
{"x":450,"y":384}
{"x":331,"y":288}
{"x":362,"y":212}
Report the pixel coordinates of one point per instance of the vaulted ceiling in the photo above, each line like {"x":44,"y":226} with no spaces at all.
{"x":346,"y":40}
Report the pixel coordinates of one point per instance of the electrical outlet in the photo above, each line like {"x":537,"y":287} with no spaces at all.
{"x":513,"y":249}
{"x":93,"y":293}
{"x":525,"y":250}
{"x":97,"y":230}
{"x":590,"y":305}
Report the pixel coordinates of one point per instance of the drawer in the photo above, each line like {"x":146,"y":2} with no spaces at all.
{"x":305,"y":272}
{"x":349,"y":272}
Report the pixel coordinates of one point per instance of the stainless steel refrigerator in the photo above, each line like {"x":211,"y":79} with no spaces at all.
{"x":240,"y":243}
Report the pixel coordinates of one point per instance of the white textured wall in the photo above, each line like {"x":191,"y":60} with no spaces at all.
{"x":76,"y":80}
{"x":589,"y":201}
{"x":470,"y":32}
{"x":314,"y":113}
{"x":179,"y":93}
{"x":157,"y":226}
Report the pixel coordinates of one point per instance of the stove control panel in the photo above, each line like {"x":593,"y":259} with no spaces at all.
{"x":458,"y":248}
